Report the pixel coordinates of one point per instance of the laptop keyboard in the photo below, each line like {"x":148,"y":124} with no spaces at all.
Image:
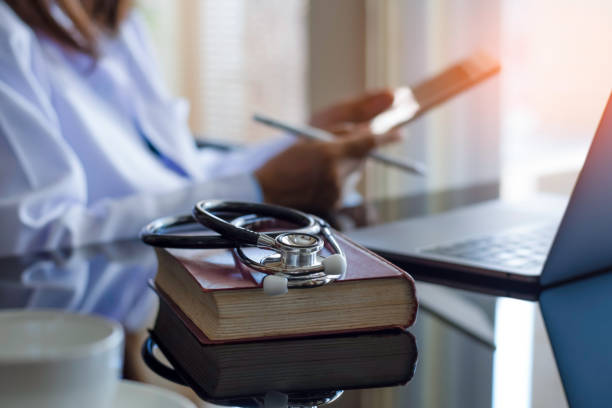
{"x":523,"y":249}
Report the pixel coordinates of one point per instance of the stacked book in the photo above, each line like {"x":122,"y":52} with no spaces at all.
{"x":215,"y":318}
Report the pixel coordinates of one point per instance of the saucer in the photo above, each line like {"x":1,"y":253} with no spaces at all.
{"x":131,"y":394}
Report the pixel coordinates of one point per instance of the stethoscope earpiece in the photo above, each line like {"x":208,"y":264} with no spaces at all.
{"x":335,"y":265}
{"x":274,"y":285}
{"x":296,"y":259}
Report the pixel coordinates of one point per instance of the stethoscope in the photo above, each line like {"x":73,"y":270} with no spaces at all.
{"x":296,"y":261}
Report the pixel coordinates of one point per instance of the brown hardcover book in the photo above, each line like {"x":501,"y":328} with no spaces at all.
{"x":225,"y":302}
{"x":371,"y":359}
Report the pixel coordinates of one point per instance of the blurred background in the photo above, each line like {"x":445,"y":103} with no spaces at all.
{"x":526,"y":130}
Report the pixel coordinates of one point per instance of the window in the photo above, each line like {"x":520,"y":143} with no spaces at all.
{"x":406,"y":42}
{"x":231,"y":58}
{"x":556,"y":80}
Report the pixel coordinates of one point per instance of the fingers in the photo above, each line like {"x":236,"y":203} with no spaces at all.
{"x":356,"y":141}
{"x":372,"y":104}
{"x":389,"y":137}
{"x":343,"y":129}
{"x":356,"y":146}
{"x":359,"y":109}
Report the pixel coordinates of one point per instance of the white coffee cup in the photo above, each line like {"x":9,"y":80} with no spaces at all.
{"x":53,"y":359}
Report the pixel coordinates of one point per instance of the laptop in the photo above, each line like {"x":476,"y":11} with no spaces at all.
{"x":512,"y":249}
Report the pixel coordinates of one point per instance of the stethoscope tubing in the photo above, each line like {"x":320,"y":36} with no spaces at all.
{"x":221,"y":217}
{"x":205,"y":213}
{"x":156,"y":234}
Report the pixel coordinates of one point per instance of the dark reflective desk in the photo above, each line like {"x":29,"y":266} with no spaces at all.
{"x":474,"y":349}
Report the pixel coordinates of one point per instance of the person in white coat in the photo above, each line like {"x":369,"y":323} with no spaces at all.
{"x":92,"y":146}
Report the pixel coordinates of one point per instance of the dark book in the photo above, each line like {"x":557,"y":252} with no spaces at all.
{"x":342,"y":361}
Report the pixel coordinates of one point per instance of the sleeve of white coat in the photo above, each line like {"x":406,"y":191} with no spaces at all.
{"x":43,"y":193}
{"x":243,"y":160}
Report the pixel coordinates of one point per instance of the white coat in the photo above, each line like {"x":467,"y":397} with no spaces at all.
{"x":78,"y":141}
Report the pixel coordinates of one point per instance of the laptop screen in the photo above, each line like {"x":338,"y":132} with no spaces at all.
{"x":583,"y":244}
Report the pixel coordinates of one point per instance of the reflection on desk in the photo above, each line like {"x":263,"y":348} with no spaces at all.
{"x":244,"y":374}
{"x":111,"y":280}
{"x":577,"y":316}
{"x":108,"y":280}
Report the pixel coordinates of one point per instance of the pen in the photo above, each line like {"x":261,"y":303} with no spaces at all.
{"x":313,"y":133}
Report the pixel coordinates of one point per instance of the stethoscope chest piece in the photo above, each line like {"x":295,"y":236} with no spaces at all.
{"x":296,"y":262}
{"x":297,"y":250}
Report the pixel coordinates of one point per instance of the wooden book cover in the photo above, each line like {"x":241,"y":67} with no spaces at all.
{"x":224,"y":301}
{"x":286,"y":365}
